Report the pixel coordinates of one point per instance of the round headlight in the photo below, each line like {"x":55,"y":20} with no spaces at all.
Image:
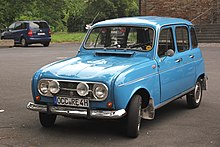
{"x":43,"y":87}
{"x":82,"y":89}
{"x":54,"y":87}
{"x":100,"y":91}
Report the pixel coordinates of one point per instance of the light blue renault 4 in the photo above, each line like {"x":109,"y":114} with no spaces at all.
{"x":125,"y":68}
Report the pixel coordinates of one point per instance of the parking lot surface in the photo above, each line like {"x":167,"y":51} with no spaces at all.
{"x":174,"y":124}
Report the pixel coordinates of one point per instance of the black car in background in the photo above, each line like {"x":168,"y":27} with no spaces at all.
{"x":28,"y":32}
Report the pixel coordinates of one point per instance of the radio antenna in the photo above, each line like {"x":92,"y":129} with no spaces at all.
{"x":88,"y":26}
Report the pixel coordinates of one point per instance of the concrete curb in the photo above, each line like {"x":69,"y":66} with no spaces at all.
{"x":6,"y":43}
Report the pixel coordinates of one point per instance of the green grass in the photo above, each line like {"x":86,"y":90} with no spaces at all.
{"x":68,"y":37}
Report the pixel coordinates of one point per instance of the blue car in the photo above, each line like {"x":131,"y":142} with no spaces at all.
{"x":126,"y":68}
{"x":28,"y":32}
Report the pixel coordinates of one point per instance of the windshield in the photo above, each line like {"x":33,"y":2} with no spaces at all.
{"x":134,"y":38}
{"x":38,"y":25}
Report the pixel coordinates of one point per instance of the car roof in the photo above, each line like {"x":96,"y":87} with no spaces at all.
{"x":27,"y":21}
{"x":153,"y":21}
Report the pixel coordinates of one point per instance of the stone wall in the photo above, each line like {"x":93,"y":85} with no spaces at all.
{"x":187,"y":9}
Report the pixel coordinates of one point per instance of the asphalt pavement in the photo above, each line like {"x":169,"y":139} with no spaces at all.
{"x":174,"y":124}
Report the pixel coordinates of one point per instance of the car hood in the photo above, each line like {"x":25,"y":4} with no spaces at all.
{"x":90,"y":67}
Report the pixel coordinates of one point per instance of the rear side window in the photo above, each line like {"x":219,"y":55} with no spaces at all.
{"x":38,"y":25}
{"x":182,"y":38}
{"x":165,"y":42}
{"x":193,"y":38}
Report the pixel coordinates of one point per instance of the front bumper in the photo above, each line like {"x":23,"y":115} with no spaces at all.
{"x":77,"y":112}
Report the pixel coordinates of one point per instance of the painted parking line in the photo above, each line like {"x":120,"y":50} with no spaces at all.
{"x":60,"y":58}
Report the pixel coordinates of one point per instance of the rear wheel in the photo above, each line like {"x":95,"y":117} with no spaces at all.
{"x":46,"y":44}
{"x":134,"y":116}
{"x":194,"y":97}
{"x":23,"y":42}
{"x":47,"y":120}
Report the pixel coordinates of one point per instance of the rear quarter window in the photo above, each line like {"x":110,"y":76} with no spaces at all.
{"x":193,"y":38}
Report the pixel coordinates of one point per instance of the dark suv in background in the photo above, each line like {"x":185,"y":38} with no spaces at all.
{"x":28,"y":32}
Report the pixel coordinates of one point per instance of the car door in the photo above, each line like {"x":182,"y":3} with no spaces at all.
{"x":169,"y":67}
{"x":17,"y":32}
{"x":186,"y":56}
{"x":8,"y":34}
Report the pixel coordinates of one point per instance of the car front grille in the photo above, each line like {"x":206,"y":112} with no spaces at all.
{"x":68,"y":89}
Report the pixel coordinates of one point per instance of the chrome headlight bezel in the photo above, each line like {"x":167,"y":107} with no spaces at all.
{"x":43,"y":87}
{"x":54,"y":87}
{"x":82,"y":89}
{"x":100,"y":91}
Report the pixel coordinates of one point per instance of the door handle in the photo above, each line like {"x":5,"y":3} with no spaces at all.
{"x":178,"y":60}
{"x":191,"y":56}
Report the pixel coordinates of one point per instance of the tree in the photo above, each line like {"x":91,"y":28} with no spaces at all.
{"x":75,"y":14}
{"x":62,"y":15}
{"x":106,"y":9}
{"x":50,"y":10}
{"x":10,"y":9}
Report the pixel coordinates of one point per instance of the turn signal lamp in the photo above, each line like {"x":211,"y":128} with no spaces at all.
{"x":109,"y":104}
{"x":38,"y":98}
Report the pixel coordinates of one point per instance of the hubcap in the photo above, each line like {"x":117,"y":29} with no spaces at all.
{"x":198,"y":92}
{"x":23,"y":42}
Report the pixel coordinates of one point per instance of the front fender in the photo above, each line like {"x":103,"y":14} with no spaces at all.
{"x":142,"y":76}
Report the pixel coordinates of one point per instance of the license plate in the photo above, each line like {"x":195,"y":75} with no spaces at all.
{"x":41,"y":34}
{"x":77,"y":102}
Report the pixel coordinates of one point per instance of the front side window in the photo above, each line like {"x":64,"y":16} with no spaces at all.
{"x":12,"y":26}
{"x":136,"y":38}
{"x":165,"y":42}
{"x":182,"y":38}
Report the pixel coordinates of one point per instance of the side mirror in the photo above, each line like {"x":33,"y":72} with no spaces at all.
{"x":88,"y":27}
{"x":170,"y":53}
{"x":7,"y":29}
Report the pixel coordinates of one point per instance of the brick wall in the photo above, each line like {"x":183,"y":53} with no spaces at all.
{"x":187,"y":9}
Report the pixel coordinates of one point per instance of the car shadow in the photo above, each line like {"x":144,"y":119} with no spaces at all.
{"x":108,"y":128}
{"x":32,"y":46}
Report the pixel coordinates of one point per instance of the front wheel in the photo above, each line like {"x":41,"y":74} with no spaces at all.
{"x":47,"y":120}
{"x":134,"y":116}
{"x":194,"y":97}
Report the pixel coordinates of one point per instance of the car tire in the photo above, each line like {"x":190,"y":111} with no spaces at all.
{"x":46,"y":44}
{"x":47,"y":120}
{"x":134,"y":116}
{"x":194,"y":98}
{"x":23,"y":42}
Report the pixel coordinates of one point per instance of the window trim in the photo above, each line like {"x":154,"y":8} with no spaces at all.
{"x":174,"y":45}
{"x":188,"y":34}
{"x":191,"y":38}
